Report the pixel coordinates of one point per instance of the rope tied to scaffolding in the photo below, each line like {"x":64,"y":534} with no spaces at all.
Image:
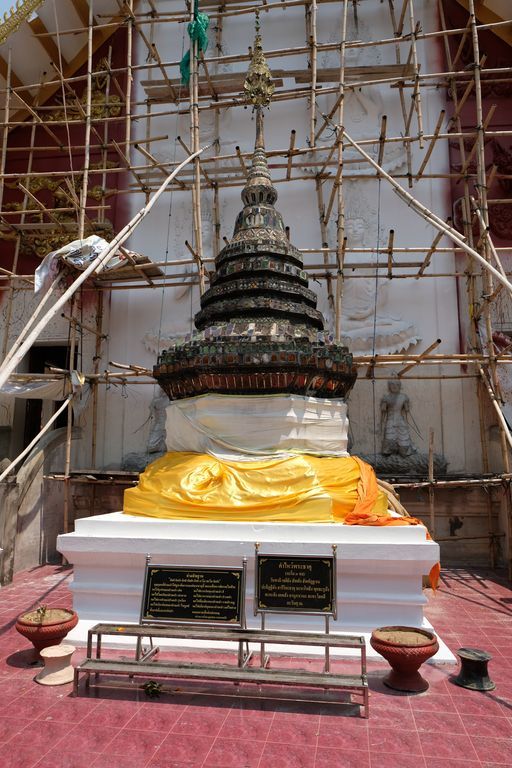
{"x":198,"y":32}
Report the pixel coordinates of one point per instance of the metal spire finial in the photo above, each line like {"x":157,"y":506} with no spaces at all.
{"x":258,"y":85}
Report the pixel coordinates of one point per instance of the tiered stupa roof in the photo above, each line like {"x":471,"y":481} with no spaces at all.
{"x":258,"y":330}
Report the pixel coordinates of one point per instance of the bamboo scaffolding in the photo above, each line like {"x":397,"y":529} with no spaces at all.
{"x":210,"y":89}
{"x":21,"y":346}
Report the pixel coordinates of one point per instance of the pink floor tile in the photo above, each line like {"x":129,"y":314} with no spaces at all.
{"x":136,"y":744}
{"x":395,"y":742}
{"x":69,"y":710}
{"x":342,"y":758}
{"x":474,"y":703}
{"x":439,"y":722}
{"x":155,"y":716}
{"x":390,"y":718}
{"x":446,"y":727}
{"x":435,"y":762}
{"x":451,"y":745}
{"x":118,"y":761}
{"x":183,"y":749}
{"x":63,"y":758}
{"x":343,"y":736}
{"x":256,"y":729}
{"x":24,"y":756}
{"x":117,"y":714}
{"x":192,"y":722}
{"x":433,"y":702}
{"x":233,"y":753}
{"x":290,"y":757}
{"x":481,"y":725}
{"x":293,"y":733}
{"x":92,"y":739}
{"x":387,"y":760}
{"x":40,"y":734}
{"x":493,"y":750}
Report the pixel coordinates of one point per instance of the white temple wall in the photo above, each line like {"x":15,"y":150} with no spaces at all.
{"x":378,"y":317}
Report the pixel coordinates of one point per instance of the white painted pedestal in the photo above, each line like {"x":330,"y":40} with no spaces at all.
{"x":380,"y":570}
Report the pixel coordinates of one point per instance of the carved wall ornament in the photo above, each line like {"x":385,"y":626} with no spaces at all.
{"x":101,"y":104}
{"x":42,"y":241}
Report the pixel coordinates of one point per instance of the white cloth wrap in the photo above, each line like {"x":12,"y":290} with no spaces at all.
{"x":257,"y":426}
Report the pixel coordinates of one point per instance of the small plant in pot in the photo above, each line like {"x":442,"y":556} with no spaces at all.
{"x":46,"y":626}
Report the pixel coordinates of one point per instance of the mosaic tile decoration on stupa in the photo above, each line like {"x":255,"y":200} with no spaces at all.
{"x":258,"y":329}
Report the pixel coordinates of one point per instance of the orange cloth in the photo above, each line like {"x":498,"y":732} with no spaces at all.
{"x":296,"y":489}
{"x":357,"y":517}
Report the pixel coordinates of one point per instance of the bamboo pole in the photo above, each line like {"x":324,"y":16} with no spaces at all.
{"x":5,"y":134}
{"x":69,"y":425}
{"x":313,"y":43}
{"x":325,"y":243}
{"x":87,"y":140}
{"x":417,"y":92}
{"x":431,"y":501}
{"x":341,"y":241}
{"x":129,"y":77}
{"x":431,"y":145}
{"x":194,"y":143}
{"x":96,"y":363}
{"x":420,"y":357}
{"x":406,"y":137}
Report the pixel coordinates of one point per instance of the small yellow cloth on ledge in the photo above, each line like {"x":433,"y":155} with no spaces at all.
{"x":297,"y":489}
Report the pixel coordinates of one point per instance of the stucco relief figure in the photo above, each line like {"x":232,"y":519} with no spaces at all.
{"x":156,"y":445}
{"x":368,"y":326}
{"x":394,"y":412}
{"x":398,"y":454}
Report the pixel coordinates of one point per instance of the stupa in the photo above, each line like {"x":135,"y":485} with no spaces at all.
{"x":256,"y":444}
{"x":260,"y":379}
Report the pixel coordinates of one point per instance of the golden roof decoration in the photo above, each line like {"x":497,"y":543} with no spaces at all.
{"x":14,"y":18}
{"x":258,"y":85}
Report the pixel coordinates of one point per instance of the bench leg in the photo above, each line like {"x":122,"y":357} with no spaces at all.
{"x":366,"y":703}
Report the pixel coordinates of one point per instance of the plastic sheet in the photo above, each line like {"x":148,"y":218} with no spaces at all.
{"x":239,"y":428}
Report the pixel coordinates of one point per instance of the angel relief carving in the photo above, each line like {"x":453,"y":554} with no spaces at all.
{"x":368,"y":322}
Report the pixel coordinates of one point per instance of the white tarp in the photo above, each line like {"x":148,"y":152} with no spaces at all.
{"x":46,"y":389}
{"x":238,"y":427}
{"x":57,"y":389}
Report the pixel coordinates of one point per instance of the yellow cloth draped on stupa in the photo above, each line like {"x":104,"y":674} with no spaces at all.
{"x":296,"y":489}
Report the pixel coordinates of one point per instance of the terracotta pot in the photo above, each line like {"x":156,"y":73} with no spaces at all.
{"x":405,"y":649}
{"x":50,"y":631}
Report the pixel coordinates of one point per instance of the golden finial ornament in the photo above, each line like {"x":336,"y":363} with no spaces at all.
{"x":258,"y":85}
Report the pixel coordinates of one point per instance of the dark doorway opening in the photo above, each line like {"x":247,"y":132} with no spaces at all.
{"x":40,"y":360}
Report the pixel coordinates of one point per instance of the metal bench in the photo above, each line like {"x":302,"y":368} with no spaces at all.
{"x":143,"y":664}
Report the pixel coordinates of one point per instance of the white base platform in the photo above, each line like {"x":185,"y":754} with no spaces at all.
{"x":380,"y":570}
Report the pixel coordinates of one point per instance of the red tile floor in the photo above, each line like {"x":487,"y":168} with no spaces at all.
{"x":446,"y":727}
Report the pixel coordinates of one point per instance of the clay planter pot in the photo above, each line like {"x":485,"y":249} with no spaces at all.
{"x":48,"y":629}
{"x":405,"y":649}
